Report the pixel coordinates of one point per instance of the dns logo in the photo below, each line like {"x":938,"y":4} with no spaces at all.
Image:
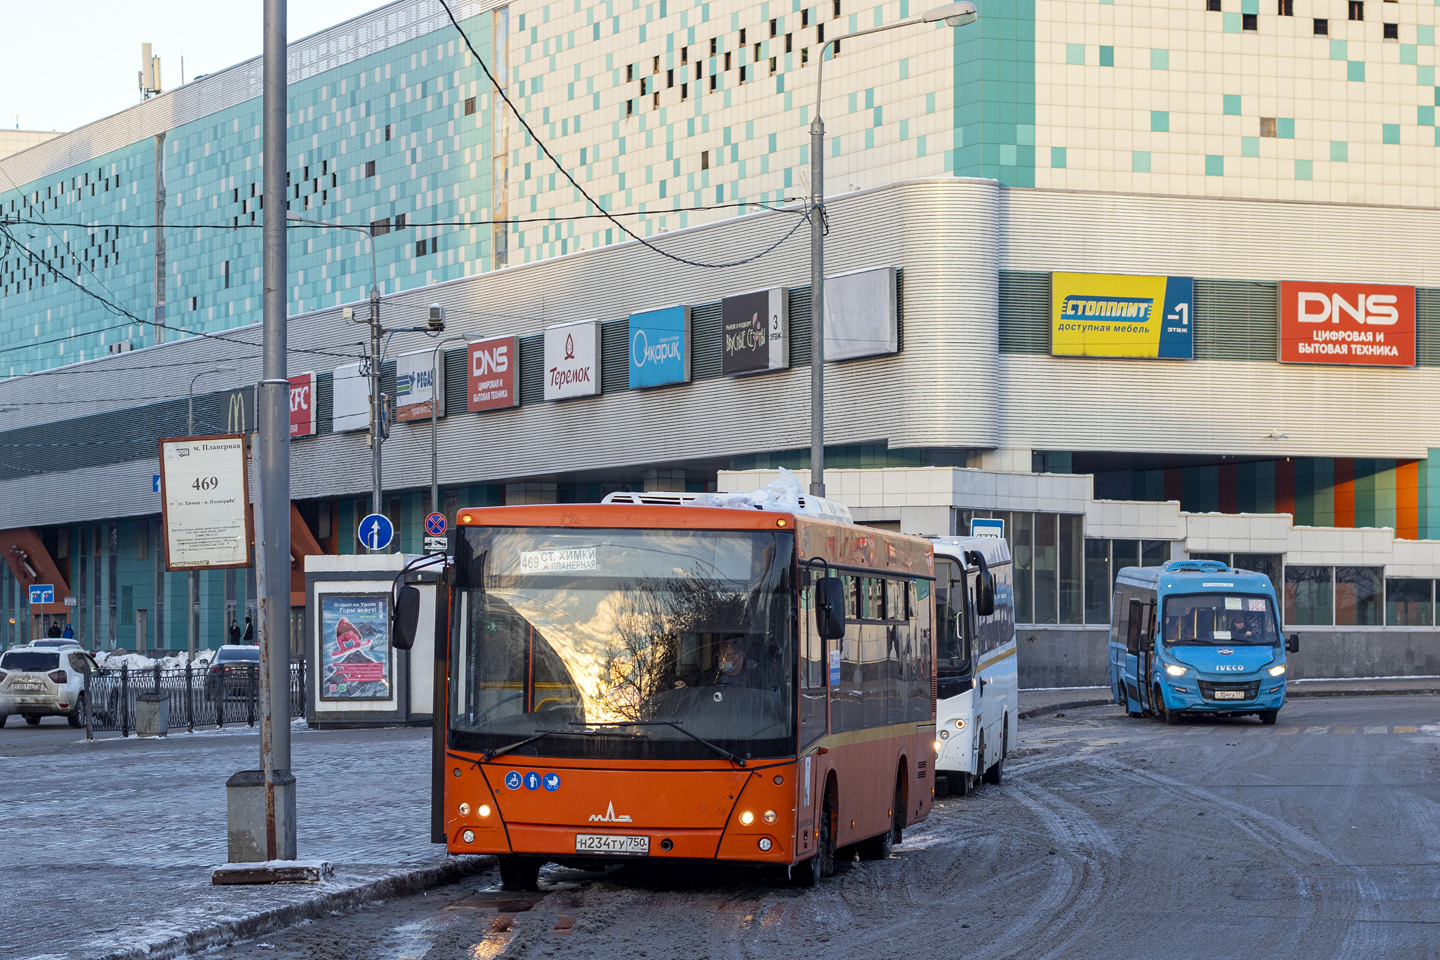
{"x":485,"y":361}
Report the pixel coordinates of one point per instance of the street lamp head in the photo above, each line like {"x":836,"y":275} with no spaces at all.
{"x":954,"y":14}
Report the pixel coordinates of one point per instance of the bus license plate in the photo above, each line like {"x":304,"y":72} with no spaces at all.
{"x":612,"y":844}
{"x":1229,"y":694}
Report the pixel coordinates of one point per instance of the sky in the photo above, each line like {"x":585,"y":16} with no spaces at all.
{"x":81,"y":63}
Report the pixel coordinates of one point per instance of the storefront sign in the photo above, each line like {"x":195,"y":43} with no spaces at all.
{"x":354,"y":648}
{"x":204,"y":488}
{"x":302,"y":405}
{"x":350,"y":399}
{"x":756,"y":332}
{"x":660,"y":347}
{"x":490,"y":374}
{"x":861,"y":319}
{"x":417,"y":385}
{"x":572,"y":360}
{"x":1364,"y":324}
{"x":1104,"y":315}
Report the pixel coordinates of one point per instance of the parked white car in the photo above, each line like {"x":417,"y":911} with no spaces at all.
{"x":37,"y":682}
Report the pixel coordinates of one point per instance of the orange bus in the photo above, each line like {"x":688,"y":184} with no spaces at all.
{"x":680,"y":682}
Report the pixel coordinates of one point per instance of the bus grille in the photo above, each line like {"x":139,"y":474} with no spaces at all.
{"x":1251,"y":690}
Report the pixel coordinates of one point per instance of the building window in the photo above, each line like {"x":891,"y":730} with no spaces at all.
{"x":1249,"y":22}
{"x":1357,"y":596}
{"x":469,"y":106}
{"x":1409,"y":603}
{"x":1286,"y":8}
{"x":684,"y":55}
{"x":420,"y":248}
{"x":684,"y":91}
{"x":669,"y":79}
{"x":1212,"y":5}
{"x":742,"y":74}
{"x":704,"y":159}
{"x":1357,"y":9}
{"x":1267,"y":126}
{"x":789,"y":42}
{"x":389,"y":130}
{"x":1392,"y":31}
{"x":379,"y":228}
{"x":712,"y":81}
{"x":774,"y":27}
{"x":369,"y":168}
{"x":714,"y":46}
{"x":225,"y":272}
{"x":742,"y":36}
{"x":1322,"y":27}
{"x":727,"y":59}
{"x":399,"y":221}
{"x":629,"y":72}
{"x":656,"y":67}
{"x":434,"y":244}
{"x":1309,"y":596}
{"x":837,"y":8}
{"x":630,"y":106}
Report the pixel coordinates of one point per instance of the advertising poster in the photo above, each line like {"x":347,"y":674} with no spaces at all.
{"x":490,"y":375}
{"x":756,"y":332}
{"x":350,"y":403}
{"x":354,"y":647}
{"x":419,"y":380}
{"x":660,"y":347}
{"x":1105,"y":315}
{"x":302,"y":405}
{"x":861,"y":319}
{"x":1356,"y":324}
{"x":572,"y":360}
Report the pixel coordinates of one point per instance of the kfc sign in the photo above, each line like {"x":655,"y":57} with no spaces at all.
{"x":572,"y":360}
{"x":302,"y":405}
{"x":1347,"y":323}
{"x":490,"y":376}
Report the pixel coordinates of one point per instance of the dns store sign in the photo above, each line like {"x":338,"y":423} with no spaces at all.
{"x":1347,"y":323}
{"x":490,"y":376}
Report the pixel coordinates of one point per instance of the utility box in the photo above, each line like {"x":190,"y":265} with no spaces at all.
{"x":245,"y":816}
{"x":355,"y":677}
{"x":152,"y":714}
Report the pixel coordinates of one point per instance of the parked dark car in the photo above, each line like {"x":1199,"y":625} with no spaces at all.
{"x":235,"y":672}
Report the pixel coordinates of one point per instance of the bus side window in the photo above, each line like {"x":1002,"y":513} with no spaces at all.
{"x":1134,"y":624}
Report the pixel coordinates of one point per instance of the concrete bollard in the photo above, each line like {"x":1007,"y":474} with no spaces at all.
{"x":152,"y":714}
{"x":245,"y":806}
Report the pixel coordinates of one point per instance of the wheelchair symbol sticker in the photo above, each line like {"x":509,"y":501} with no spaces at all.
{"x":532,"y":781}
{"x":512,"y":779}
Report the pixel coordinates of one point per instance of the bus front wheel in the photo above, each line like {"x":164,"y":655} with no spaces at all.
{"x":1162,"y":709}
{"x":1268,"y":717}
{"x":519,"y":873}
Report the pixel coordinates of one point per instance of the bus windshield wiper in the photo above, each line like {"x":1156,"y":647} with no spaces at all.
{"x":667,"y":723}
{"x":489,"y":755}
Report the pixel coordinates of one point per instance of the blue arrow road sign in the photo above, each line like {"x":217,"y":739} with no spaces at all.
{"x":154,"y":483}
{"x":376,"y":531}
{"x":42,"y":593}
{"x":435,"y":524}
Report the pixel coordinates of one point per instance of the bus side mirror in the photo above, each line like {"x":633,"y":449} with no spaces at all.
{"x":406,"y":618}
{"x":984,"y":584}
{"x":1292,"y":644}
{"x":830,"y":607}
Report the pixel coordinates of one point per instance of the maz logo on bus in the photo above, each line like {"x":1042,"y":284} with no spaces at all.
{"x":609,"y":816}
{"x":1376,"y":309}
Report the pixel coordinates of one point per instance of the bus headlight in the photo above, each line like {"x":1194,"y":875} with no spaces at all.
{"x":769,"y":816}
{"x":959,"y":723}
{"x":944,"y":734}
{"x":1278,"y":670}
{"x":464,"y":809}
{"x":939,"y":745}
{"x":747,"y":818}
{"x":1175,"y":670}
{"x":483,"y":810}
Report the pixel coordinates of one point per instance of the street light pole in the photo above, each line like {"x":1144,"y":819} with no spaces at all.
{"x":376,"y":333}
{"x":955,"y":15}
{"x":192,"y":619}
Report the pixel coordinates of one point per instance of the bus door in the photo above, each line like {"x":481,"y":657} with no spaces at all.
{"x":1136,"y":658}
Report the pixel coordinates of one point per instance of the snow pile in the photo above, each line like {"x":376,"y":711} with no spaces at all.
{"x":781,"y":495}
{"x":115,"y":659}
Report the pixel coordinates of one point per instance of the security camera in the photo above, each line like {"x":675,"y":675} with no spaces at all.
{"x":437,"y":317}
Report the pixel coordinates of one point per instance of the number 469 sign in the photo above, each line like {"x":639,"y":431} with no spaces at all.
{"x":204,"y":486}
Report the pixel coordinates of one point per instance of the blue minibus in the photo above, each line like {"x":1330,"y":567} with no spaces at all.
{"x":1198,"y":637}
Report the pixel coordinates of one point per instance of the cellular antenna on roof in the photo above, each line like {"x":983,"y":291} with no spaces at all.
{"x":149,"y":73}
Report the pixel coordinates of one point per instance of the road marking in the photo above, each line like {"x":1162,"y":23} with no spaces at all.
{"x":1404,"y":729}
{"x":1286,"y":731}
{"x":1314,"y":730}
{"x":1382,"y":728}
{"x":1345,"y":729}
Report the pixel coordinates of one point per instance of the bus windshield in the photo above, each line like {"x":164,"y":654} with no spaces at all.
{"x":1212,"y":619}
{"x":624,"y":644}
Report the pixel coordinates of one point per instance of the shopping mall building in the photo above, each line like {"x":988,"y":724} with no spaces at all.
{"x":1145,"y":280}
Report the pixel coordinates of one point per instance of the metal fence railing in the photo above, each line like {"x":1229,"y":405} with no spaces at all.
{"x":198,"y":696}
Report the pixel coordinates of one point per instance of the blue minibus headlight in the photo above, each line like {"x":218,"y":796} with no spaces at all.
{"x":1278,"y":670}
{"x":1175,"y":670}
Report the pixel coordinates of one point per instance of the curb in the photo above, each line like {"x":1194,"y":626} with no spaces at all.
{"x":1293,"y":693}
{"x":225,"y":932}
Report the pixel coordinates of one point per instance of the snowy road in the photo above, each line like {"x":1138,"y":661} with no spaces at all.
{"x":1110,"y":838}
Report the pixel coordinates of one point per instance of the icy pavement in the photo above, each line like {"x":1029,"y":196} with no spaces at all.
{"x":107,"y":847}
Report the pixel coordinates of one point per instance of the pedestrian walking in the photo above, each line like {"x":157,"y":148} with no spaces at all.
{"x":54,"y":630}
{"x":234,"y":631}
{"x":249,"y":631}
{"x":69,"y":632}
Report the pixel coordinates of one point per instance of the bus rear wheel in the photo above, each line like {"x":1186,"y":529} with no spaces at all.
{"x":519,"y":873}
{"x":880,"y":847}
